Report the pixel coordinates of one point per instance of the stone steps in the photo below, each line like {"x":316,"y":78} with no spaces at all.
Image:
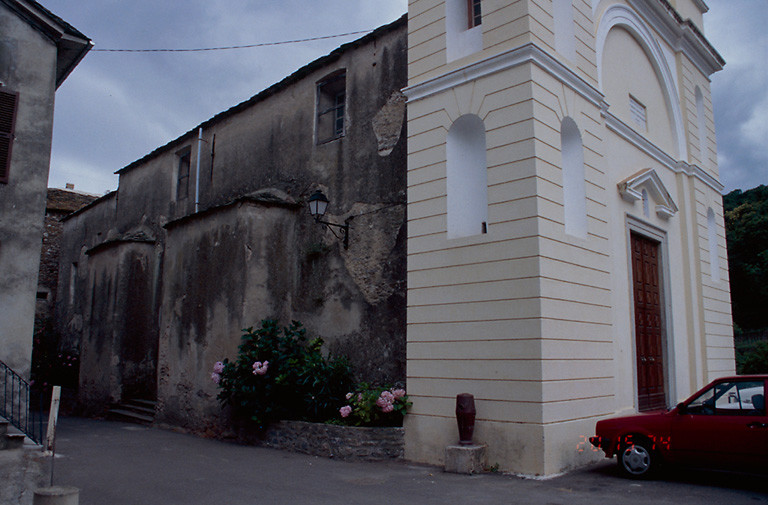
{"x":137,"y":411}
{"x":10,"y":439}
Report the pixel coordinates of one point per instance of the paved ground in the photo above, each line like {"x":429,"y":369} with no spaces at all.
{"x":115,"y":463}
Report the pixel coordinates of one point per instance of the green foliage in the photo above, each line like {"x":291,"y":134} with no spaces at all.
{"x":279,"y":375}
{"x":746,"y":226}
{"x":754,"y":361}
{"x":374,"y":406}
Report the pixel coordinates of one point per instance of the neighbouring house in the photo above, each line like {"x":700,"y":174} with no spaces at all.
{"x":38,"y":51}
{"x":211,"y":233}
{"x":566,"y":248}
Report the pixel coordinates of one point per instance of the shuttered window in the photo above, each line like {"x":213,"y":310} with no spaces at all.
{"x":8,"y":103}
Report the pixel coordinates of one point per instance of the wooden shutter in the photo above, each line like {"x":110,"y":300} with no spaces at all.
{"x":8,"y":102}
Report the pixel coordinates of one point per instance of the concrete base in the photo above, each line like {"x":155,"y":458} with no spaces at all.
{"x":466,"y":458}
{"x":57,"y":495}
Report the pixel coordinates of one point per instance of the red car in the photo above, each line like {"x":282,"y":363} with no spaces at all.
{"x":724,"y":425}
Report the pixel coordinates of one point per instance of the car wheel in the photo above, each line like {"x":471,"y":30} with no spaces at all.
{"x":636,"y":459}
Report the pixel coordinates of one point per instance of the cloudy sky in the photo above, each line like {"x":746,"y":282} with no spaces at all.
{"x":116,"y":107}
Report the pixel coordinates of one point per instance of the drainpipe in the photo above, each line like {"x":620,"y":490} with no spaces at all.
{"x":197,"y":171}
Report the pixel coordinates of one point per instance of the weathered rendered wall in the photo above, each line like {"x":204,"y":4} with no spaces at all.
{"x":220,"y":269}
{"x":27,"y":65}
{"x":119,"y":324}
{"x":253,"y":251}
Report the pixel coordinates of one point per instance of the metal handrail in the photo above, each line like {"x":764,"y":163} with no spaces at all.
{"x":17,"y":404}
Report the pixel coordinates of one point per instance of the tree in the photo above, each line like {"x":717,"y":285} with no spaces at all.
{"x":746,"y":229}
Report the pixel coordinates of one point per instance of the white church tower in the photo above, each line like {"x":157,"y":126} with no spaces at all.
{"x":566,"y":249}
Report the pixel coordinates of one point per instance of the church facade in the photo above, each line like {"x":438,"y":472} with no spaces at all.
{"x":566,"y":247}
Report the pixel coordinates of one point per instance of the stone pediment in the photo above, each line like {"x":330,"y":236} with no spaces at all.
{"x":631,"y":190}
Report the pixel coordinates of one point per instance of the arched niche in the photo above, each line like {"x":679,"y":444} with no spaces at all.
{"x":714,"y":257}
{"x":574,"y":183}
{"x":466,"y":178}
{"x":702,"y":129}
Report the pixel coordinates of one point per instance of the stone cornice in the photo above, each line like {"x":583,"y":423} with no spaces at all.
{"x":681,"y":35}
{"x":529,"y":53}
{"x":678,"y":166}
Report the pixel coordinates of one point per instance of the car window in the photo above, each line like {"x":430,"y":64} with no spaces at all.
{"x":730,"y":398}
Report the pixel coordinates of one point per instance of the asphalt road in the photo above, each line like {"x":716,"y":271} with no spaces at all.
{"x":115,"y":463}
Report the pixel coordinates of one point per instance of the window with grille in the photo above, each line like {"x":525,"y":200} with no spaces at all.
{"x":8,"y":104}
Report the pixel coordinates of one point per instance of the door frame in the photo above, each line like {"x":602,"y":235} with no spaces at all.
{"x":651,"y":232}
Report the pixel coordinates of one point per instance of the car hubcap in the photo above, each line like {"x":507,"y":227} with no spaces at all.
{"x":636,"y":459}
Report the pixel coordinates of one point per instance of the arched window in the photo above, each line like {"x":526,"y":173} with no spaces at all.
{"x":574,"y":185}
{"x":714,"y":258}
{"x":565,"y":34}
{"x":700,"y":120}
{"x":466,"y":177}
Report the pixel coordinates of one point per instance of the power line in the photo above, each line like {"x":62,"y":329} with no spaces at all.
{"x":224,"y":48}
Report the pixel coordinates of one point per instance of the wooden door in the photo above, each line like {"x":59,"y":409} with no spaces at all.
{"x":648,"y":323}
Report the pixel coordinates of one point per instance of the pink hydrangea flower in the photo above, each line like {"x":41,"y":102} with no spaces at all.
{"x":349,"y":396}
{"x":345,"y":410}
{"x":218,"y":367}
{"x":388,"y":396}
{"x":215,"y":377}
{"x":260,"y":368}
{"x":398,"y":393}
{"x":381,"y":403}
{"x":388,"y":408}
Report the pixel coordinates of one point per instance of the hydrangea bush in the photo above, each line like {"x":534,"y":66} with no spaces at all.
{"x":278,"y":375}
{"x":374,"y":406}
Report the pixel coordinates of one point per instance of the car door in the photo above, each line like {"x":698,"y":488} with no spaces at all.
{"x":724,"y":427}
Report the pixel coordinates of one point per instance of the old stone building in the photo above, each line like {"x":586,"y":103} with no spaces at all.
{"x":210,"y":233}
{"x":50,"y":362}
{"x":58,"y":204}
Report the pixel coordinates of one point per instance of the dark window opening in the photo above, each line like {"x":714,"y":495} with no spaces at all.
{"x":182,"y":180}
{"x":331,"y":107}
{"x":475,"y":14}
{"x":8,"y":103}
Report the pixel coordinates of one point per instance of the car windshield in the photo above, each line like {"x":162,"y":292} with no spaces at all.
{"x":733,"y":397}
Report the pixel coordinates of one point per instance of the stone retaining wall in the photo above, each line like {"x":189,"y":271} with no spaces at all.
{"x":338,"y":442}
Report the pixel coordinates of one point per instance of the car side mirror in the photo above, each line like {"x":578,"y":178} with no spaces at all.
{"x":681,"y":408}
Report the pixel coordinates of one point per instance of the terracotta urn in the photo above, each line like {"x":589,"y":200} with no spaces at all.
{"x":465,"y":416}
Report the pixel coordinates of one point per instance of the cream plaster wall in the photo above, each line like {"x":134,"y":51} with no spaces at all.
{"x":473,"y":301}
{"x":638,"y":78}
{"x":691,"y":78}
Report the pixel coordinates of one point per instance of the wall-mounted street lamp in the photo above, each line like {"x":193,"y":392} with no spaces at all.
{"x":318,"y":203}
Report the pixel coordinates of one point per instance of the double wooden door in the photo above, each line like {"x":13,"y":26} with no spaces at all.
{"x":648,"y":323}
